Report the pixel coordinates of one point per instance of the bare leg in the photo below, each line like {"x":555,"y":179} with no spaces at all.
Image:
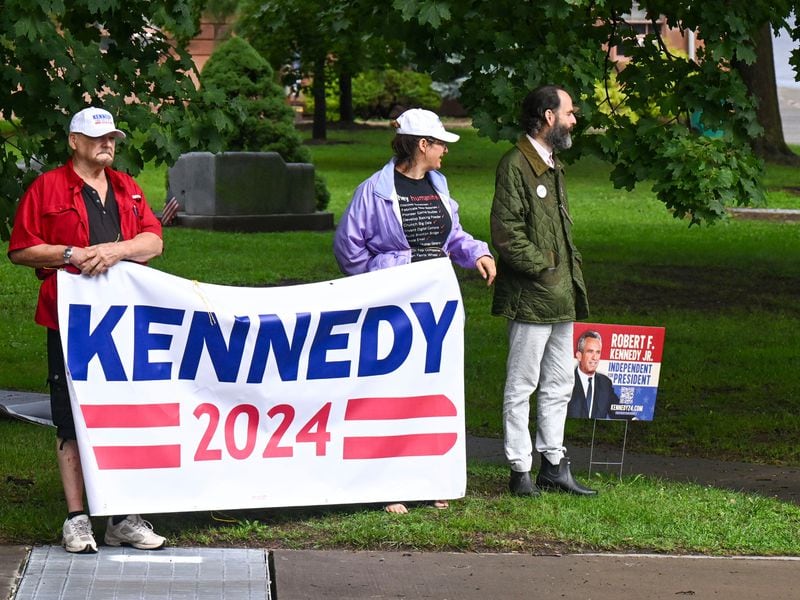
{"x":69,"y":464}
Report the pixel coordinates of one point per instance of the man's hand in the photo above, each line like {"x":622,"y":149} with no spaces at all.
{"x":97,"y":259}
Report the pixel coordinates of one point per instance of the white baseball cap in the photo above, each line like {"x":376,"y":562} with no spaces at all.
{"x":94,"y":122}
{"x":424,"y":123}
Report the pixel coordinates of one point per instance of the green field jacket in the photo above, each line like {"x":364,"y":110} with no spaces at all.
{"x":539,"y":278}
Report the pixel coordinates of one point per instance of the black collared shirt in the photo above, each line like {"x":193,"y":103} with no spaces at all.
{"x":103,"y":218}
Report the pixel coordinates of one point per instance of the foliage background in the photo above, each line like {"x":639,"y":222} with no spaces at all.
{"x":239,"y":78}
{"x":58,"y":57}
{"x":379,"y":94}
{"x":567,"y":42}
{"x":127,"y":56}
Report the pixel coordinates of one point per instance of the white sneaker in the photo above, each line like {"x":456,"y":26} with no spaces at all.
{"x":134,"y":531}
{"x":78,"y":535}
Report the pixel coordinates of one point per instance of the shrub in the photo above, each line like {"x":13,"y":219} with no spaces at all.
{"x":379,"y":93}
{"x":240,"y":81}
{"x":615,"y":101}
{"x":376,"y":94}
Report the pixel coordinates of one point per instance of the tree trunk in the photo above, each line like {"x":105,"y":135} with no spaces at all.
{"x":760,"y":80}
{"x":319,"y":129}
{"x":346,"y":98}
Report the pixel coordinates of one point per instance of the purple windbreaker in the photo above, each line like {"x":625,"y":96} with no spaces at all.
{"x":370,"y":233}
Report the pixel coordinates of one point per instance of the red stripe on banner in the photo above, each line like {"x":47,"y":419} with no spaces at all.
{"x":404,"y":407}
{"x":390,"y":446}
{"x":138,"y":457}
{"x":132,"y":415}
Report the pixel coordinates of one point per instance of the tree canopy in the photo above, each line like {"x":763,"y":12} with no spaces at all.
{"x":504,"y":48}
{"x":128,"y":57}
{"x":306,"y":37}
{"x":57,"y":57}
{"x":298,"y":35}
{"x":239,"y":78}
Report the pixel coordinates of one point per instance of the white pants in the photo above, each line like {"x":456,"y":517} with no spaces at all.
{"x":539,"y":355}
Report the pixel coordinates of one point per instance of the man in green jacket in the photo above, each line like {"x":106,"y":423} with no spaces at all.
{"x":540,"y":289}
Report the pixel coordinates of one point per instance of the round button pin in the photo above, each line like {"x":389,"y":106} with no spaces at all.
{"x":541,"y":191}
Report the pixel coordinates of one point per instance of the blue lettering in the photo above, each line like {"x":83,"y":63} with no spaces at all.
{"x":434,"y":332}
{"x":324,"y":340}
{"x":83,"y":345}
{"x":368,"y":361}
{"x":144,"y":341}
{"x":227,"y":353}
{"x":205,"y":332}
{"x":271,"y":333}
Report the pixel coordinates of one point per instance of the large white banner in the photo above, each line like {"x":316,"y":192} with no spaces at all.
{"x":190,"y":396}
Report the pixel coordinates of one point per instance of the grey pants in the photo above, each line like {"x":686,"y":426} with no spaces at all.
{"x":539,"y":356}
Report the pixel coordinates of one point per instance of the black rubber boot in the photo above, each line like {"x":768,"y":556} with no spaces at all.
{"x":520,"y":484}
{"x":559,"y":477}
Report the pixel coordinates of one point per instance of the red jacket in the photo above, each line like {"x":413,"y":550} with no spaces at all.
{"x":52,"y":211}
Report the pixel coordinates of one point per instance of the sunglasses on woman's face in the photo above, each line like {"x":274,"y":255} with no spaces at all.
{"x":435,"y":142}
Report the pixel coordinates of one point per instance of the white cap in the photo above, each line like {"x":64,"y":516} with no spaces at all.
{"x":424,"y":123}
{"x":94,"y":122}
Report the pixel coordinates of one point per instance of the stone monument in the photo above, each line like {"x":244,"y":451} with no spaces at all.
{"x":245,"y":191}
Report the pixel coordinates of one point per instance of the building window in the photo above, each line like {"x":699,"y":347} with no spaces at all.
{"x":636,"y":31}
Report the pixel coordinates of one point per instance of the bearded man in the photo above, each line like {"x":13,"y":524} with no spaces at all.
{"x":540,"y":290}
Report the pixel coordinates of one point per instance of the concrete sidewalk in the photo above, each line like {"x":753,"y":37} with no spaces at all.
{"x":314,"y":575}
{"x":789,"y":102}
{"x":247,"y":574}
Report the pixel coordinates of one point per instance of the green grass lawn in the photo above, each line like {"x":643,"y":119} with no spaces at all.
{"x":727,"y":295}
{"x":639,"y":514}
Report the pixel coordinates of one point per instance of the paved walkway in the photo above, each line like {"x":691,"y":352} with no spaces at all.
{"x":767,"y":480}
{"x":250,"y":574}
{"x":789,"y":102}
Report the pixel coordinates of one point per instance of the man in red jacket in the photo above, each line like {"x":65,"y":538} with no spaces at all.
{"x":84,"y":217}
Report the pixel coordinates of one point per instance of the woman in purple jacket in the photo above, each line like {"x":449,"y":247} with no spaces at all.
{"x":404,"y":213}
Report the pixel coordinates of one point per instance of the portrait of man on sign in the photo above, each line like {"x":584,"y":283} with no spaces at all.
{"x":593,"y":393}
